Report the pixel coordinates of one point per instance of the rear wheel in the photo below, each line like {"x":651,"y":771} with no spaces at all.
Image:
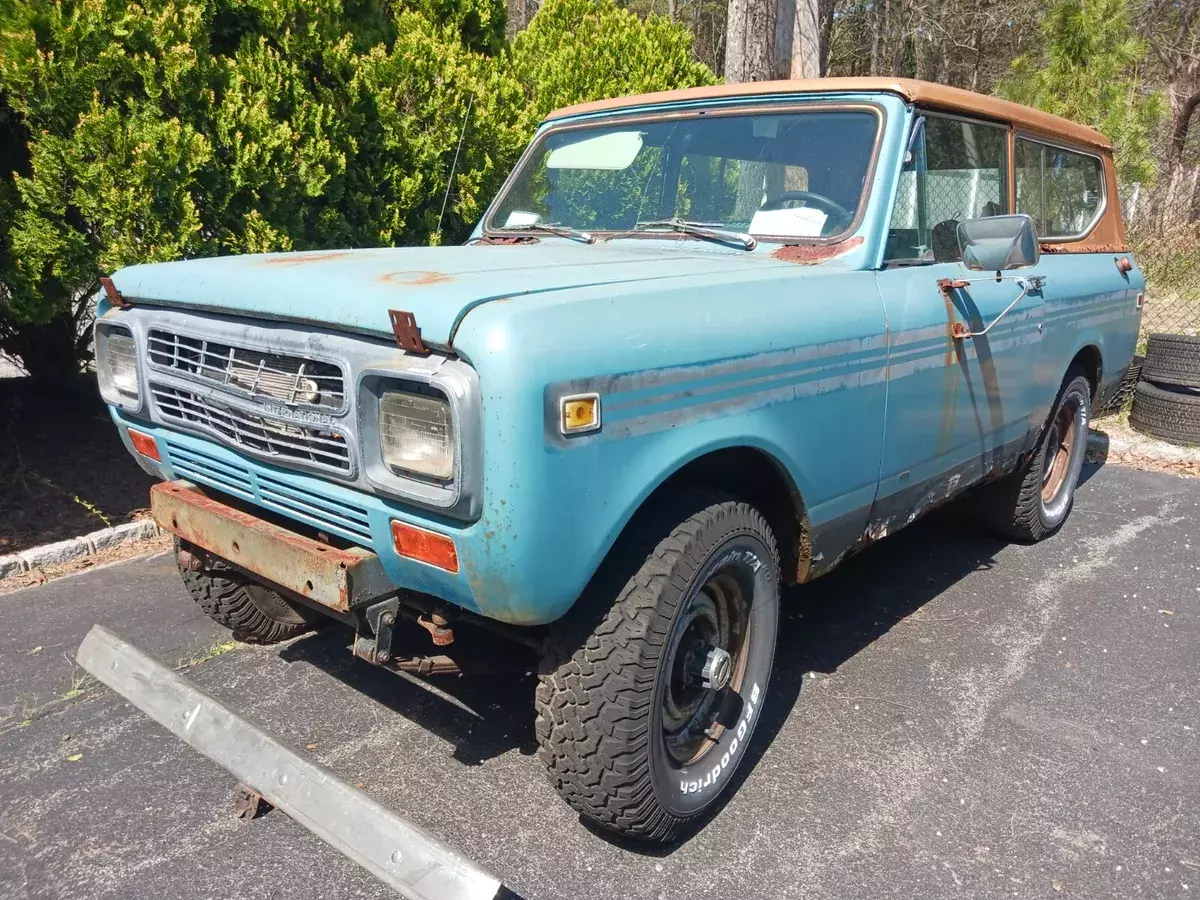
{"x":1033,"y":502}
{"x":254,"y":612}
{"x":651,"y":687}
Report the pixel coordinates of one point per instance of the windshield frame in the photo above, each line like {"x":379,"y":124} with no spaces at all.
{"x":734,"y":109}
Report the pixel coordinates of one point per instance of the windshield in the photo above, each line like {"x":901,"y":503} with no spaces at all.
{"x":777,"y":176}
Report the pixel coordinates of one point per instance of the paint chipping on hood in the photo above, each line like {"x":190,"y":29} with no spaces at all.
{"x":352,"y":290}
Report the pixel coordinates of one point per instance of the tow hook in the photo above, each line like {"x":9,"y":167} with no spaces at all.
{"x":439,"y":629}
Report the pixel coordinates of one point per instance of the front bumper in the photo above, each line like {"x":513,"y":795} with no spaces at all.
{"x":338,"y":579}
{"x":361,"y":519}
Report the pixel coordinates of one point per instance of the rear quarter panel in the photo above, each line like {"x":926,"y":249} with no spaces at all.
{"x":1089,"y":303}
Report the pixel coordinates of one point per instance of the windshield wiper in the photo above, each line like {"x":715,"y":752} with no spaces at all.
{"x":700,"y":230}
{"x":553,"y":228}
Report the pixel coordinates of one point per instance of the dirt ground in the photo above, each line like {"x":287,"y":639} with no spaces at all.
{"x":63,"y":470}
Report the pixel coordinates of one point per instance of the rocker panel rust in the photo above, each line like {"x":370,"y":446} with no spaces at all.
{"x":338,"y":579}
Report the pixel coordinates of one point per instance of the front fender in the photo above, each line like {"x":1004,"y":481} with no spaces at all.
{"x":800,"y":381}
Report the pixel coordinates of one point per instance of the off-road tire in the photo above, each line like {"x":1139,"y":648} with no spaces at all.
{"x":251,"y":610}
{"x":1173,"y":416}
{"x":1122,"y":397}
{"x":1172,"y":359}
{"x":1015,"y":506}
{"x":602,"y":673}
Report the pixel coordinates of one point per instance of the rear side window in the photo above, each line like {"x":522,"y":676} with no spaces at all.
{"x":956,"y":171}
{"x":1062,"y":190}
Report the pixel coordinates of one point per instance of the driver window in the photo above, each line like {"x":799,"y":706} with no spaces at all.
{"x":957,"y":170}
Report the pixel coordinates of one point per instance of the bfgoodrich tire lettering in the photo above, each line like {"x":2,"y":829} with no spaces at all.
{"x":619,"y":715}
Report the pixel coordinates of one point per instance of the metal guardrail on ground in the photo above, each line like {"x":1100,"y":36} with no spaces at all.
{"x":415,"y":864}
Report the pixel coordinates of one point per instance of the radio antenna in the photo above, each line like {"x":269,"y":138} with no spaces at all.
{"x":454,"y":165}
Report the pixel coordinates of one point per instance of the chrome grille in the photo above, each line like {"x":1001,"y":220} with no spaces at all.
{"x":284,"y":440}
{"x":293,"y":380}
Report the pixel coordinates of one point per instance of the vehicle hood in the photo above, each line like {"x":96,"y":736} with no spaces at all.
{"x":353,"y":290}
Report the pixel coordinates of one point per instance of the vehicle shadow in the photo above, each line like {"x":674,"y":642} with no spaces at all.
{"x":480,"y":716}
{"x":827,"y":622}
{"x":823,"y":624}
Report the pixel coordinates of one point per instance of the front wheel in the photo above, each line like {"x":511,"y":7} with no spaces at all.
{"x":1033,"y":502}
{"x":651,"y":688}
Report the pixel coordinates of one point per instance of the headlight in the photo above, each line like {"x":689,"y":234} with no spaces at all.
{"x":416,"y":434}
{"x":116,"y":365}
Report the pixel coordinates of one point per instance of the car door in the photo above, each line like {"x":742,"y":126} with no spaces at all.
{"x":956,"y":406}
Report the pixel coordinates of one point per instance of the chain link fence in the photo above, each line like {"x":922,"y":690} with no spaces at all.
{"x":1164,"y":236}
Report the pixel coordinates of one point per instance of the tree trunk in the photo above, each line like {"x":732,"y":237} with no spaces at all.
{"x":785,"y":15}
{"x":827,"y":10}
{"x":806,"y":40}
{"x":1184,"y":93}
{"x":47,"y":351}
{"x":749,"y":41}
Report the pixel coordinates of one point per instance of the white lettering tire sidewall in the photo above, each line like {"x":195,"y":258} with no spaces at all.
{"x":686,"y":790}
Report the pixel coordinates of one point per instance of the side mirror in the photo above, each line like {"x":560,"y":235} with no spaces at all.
{"x":998,"y":243}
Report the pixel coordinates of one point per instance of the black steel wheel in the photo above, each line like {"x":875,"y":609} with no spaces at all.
{"x":651,"y":688}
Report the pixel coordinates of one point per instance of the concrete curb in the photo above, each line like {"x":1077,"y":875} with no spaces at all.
{"x":75,"y":548}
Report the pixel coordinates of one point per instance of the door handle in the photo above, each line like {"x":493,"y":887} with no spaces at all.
{"x":1029,"y":284}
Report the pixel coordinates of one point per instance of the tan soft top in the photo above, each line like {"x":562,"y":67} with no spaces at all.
{"x":922,"y":93}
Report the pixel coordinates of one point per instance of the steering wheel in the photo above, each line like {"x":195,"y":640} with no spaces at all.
{"x":834,"y":210}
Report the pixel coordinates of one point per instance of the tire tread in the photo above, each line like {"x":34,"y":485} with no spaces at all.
{"x":593,"y":688}
{"x":1172,"y":359}
{"x":1170,"y":415}
{"x":223,"y":595}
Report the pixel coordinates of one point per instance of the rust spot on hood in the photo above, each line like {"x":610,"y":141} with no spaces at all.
{"x":810,"y":254}
{"x":301,"y":259}
{"x":509,"y":240}
{"x":411,"y":278}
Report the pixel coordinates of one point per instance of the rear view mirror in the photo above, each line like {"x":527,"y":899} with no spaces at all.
{"x":998,"y":243}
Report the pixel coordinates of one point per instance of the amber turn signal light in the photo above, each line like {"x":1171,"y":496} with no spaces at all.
{"x":424,"y":546}
{"x":145,"y":445}
{"x":580,"y":413}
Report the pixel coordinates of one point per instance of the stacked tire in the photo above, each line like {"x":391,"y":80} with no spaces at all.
{"x":1166,"y":401}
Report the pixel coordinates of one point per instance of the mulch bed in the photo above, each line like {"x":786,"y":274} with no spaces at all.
{"x":63,"y":469}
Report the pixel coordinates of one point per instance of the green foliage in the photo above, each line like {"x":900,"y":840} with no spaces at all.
{"x":146,"y":130}
{"x":1087,"y":71}
{"x":579,"y":50}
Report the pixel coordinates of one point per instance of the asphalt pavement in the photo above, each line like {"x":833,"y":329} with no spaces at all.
{"x":950,"y":716}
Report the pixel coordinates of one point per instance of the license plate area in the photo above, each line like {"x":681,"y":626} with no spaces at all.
{"x":330,"y":576}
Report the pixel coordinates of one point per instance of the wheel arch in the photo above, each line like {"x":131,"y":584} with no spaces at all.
{"x":1091,"y":360}
{"x":759,"y":477}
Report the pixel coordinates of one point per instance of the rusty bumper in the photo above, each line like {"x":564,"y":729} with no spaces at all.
{"x":338,"y":579}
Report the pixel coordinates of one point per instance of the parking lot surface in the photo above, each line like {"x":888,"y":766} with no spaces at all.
{"x":950,"y":716}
